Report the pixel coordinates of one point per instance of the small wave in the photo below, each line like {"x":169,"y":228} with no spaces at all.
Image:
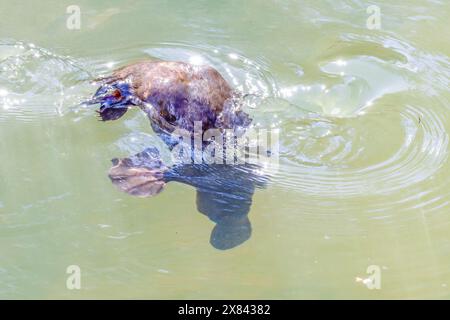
{"x":35,"y":82}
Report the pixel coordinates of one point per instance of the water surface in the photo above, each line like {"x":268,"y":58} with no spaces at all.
{"x":363,"y":175}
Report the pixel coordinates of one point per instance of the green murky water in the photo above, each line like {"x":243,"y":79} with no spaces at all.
{"x":363,"y":179}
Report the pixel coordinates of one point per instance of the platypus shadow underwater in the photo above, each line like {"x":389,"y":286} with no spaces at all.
{"x":177,"y":95}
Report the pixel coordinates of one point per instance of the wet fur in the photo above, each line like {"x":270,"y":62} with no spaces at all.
{"x":180,"y":93}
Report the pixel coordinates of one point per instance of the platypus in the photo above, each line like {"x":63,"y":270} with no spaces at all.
{"x":175,"y":95}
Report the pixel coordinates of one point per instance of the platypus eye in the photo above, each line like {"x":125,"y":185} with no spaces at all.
{"x":116,"y":94}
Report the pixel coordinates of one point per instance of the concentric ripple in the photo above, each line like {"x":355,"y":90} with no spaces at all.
{"x":341,"y":158}
{"x":376,"y":134}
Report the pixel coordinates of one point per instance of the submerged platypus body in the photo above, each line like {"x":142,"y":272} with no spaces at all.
{"x":176,"y":95}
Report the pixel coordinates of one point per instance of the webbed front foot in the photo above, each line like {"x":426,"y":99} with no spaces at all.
{"x":141,"y":175}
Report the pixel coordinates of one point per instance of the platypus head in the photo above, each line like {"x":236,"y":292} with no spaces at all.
{"x":114,"y":98}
